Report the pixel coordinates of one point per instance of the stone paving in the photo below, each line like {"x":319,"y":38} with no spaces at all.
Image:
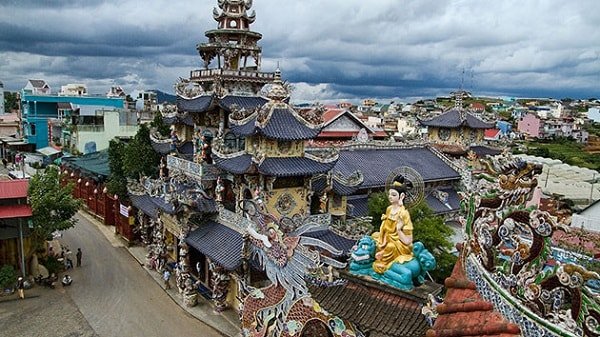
{"x":44,"y":312}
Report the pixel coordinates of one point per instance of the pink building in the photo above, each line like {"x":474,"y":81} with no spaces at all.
{"x":530,"y":124}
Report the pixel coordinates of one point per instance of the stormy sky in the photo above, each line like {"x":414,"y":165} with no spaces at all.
{"x":328,"y":50}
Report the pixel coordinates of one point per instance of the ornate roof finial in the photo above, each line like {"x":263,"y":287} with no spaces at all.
{"x":278,"y":90}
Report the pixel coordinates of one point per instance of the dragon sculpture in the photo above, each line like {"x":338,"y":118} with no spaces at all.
{"x":287,"y":257}
{"x":512,"y":243}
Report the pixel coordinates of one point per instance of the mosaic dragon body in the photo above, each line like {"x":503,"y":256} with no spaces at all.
{"x":513,"y":244}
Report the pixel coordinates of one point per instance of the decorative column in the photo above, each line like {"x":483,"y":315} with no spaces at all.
{"x":220,"y":279}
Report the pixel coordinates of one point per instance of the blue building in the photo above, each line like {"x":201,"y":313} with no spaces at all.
{"x":41,"y":111}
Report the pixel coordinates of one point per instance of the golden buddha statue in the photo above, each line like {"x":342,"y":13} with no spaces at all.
{"x":394,"y":239}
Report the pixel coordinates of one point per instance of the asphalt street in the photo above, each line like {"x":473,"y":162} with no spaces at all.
{"x":111,"y":295}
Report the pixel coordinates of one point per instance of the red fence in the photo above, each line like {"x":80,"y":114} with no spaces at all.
{"x":98,"y":202}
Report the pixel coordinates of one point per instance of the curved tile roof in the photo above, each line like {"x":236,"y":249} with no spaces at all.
{"x":451,"y":119}
{"x":337,"y":241}
{"x":236,"y":165}
{"x":293,"y":166}
{"x":220,"y":243}
{"x":183,"y":118}
{"x":198,"y":104}
{"x":248,"y":103}
{"x":282,"y":124}
{"x":375,"y":164}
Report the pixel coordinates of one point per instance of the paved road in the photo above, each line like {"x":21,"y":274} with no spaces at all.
{"x":111,"y":295}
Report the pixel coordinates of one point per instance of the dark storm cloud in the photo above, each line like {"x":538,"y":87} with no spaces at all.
{"x":335,"y":48}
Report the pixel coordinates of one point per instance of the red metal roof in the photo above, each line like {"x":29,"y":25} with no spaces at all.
{"x":11,"y":189}
{"x":14,"y":211}
{"x":491,"y":133}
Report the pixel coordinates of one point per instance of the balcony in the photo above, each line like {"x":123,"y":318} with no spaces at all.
{"x":209,"y":73}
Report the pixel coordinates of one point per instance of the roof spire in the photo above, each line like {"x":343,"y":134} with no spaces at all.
{"x":278,"y":90}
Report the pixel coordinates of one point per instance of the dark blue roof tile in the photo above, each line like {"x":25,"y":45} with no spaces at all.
{"x":235,"y":165}
{"x":482,"y":151}
{"x":284,"y":125}
{"x":451,"y":119}
{"x":438,"y":207}
{"x":337,"y":241}
{"x":244,"y":130}
{"x":198,"y":104}
{"x":144,"y":203}
{"x":249,"y":103}
{"x":293,"y":166}
{"x":376,"y":164}
{"x":359,"y":205}
{"x":218,"y":242}
{"x":151,"y":205}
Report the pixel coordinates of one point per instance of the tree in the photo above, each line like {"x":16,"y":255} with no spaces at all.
{"x":10,"y":101}
{"x":430,"y":229}
{"x":117,"y":182}
{"x":140,"y":159}
{"x":160,"y":125}
{"x":53,"y":205}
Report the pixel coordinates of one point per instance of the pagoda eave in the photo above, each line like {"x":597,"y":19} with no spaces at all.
{"x":219,"y":32}
{"x":213,"y":47}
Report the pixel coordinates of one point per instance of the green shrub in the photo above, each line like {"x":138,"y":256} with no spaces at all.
{"x":8,"y":277}
{"x":52,"y":264}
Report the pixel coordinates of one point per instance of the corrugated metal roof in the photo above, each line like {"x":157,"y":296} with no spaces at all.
{"x":11,"y":189}
{"x":15,"y":211}
{"x":95,"y":163}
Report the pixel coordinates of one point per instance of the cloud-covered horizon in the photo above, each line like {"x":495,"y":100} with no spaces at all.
{"x":333,"y":50}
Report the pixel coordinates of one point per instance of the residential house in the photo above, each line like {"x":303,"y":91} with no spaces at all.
{"x":49,"y":118}
{"x":341,"y":125}
{"x":530,"y":125}
{"x":73,"y":89}
{"x":36,"y":87}
{"x":406,"y":126}
{"x":594,"y":114}
{"x":15,"y":213}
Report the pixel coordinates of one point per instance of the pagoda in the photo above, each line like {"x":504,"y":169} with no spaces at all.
{"x":274,"y":165}
{"x":235,"y":50}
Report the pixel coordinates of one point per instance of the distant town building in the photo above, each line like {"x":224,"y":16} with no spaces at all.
{"x":36,"y":87}
{"x":68,"y":120}
{"x":530,"y":125}
{"x":73,"y":89}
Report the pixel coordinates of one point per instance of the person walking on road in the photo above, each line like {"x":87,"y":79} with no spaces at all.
{"x":78,"y":255}
{"x":166,"y":278}
{"x":21,"y":287}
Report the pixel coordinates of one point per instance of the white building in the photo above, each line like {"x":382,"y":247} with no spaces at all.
{"x":73,"y":89}
{"x":37,"y":87}
{"x":594,"y":114}
{"x":589,"y":218}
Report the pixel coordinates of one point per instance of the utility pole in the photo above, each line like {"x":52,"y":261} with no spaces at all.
{"x":22,"y":248}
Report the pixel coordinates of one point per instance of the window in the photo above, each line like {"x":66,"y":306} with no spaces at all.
{"x":232,"y":142}
{"x":444,"y":134}
{"x":32,"y":129}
